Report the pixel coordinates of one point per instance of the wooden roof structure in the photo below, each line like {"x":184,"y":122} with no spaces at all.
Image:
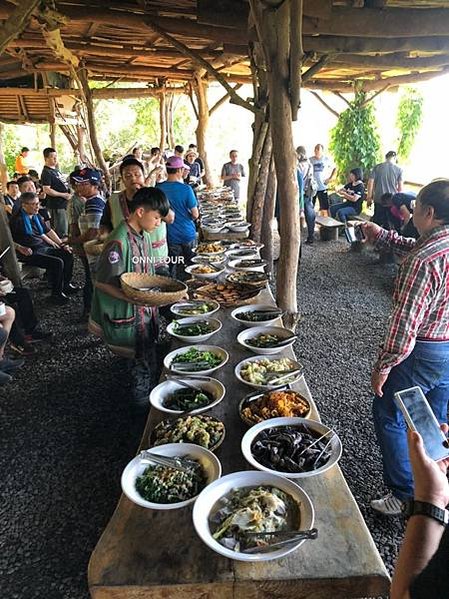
{"x":375,"y":42}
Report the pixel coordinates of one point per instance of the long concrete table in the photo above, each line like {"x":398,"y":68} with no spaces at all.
{"x":157,"y":555}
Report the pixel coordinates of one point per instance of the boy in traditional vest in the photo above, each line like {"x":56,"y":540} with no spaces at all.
{"x":130,"y":330}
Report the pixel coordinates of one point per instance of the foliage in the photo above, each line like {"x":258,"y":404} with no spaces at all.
{"x":408,"y":121}
{"x":355,"y":141}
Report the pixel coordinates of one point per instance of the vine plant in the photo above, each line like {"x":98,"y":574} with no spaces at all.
{"x":408,"y":121}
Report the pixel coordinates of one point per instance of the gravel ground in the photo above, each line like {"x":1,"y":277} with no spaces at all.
{"x":65,"y":423}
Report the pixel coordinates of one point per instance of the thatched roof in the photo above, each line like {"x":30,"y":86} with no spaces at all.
{"x":377,"y":42}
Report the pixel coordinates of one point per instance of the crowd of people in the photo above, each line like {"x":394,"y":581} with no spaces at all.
{"x":149,"y":226}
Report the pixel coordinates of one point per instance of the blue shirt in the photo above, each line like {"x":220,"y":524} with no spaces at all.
{"x":182,"y":200}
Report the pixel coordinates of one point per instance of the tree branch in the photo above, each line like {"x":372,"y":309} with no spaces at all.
{"x":368,"y":100}
{"x":296,"y":54}
{"x":325,"y":104}
{"x":192,"y":101}
{"x":322,"y":62}
{"x":341,"y":96}
{"x":198,"y":59}
{"x":223,"y":100}
{"x":16,"y":22}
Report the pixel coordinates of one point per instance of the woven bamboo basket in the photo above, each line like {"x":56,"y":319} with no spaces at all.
{"x":137,"y":286}
{"x":94,"y":247}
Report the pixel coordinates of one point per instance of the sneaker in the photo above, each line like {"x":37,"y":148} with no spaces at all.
{"x":10,"y":365}
{"x":388,"y":505}
{"x":22,"y":350}
{"x":4,"y":378}
{"x":309,"y":241}
{"x":38,"y":335}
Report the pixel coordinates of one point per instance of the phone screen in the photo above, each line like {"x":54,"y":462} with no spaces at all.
{"x":420,"y":417}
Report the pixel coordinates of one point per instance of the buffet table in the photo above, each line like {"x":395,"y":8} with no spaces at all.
{"x":157,"y":554}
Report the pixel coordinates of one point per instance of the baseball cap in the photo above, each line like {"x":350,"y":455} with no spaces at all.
{"x":176,"y":162}
{"x":86,"y":175}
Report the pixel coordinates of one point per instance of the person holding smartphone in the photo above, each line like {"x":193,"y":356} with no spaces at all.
{"x":421,"y":570}
{"x":416,"y":348}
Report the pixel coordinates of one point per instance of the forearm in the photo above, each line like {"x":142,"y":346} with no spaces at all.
{"x":113,"y":291}
{"x":54,"y":194}
{"x":391,"y":239}
{"x":422,"y":537}
{"x":54,"y":236}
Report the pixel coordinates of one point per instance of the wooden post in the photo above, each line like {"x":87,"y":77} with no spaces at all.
{"x":3,"y":168}
{"x":92,"y":127}
{"x":258,"y":212}
{"x":9,"y":260}
{"x":169,"y":120}
{"x":200,"y":87}
{"x":53,"y":135}
{"x":273,"y":23}
{"x":268,"y":218}
{"x":163,"y":121}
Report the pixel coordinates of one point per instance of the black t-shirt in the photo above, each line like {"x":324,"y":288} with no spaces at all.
{"x":404,"y":199}
{"x":200,"y":162}
{"x":433,"y":581}
{"x":359,"y":190}
{"x":54,"y":179}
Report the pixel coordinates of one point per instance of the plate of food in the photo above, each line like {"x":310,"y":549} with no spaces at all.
{"x":266,"y":340}
{"x":255,"y":264}
{"x":204,"y":271}
{"x":196,"y":358}
{"x":291,"y":447}
{"x":195,"y":308}
{"x":149,"y":482}
{"x":281,"y":403}
{"x":214,"y":260}
{"x":256,"y":315}
{"x":245,"y":253}
{"x":244,"y":244}
{"x":194,"y":329}
{"x":275,"y":505}
{"x":251,"y":279}
{"x":238,"y":226}
{"x":227,"y":294}
{"x":265,"y":373}
{"x":187,"y":394}
{"x":208,"y":249}
{"x":207,"y":431}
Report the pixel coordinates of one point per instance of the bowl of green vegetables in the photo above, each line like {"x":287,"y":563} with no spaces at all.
{"x":196,"y":359}
{"x":194,"y":329}
{"x":170,"y":476}
{"x":187,"y":394}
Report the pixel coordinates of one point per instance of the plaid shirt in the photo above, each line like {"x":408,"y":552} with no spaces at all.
{"x":421,"y":296}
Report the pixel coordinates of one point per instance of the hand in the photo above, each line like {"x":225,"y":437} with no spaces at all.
{"x":326,"y":181}
{"x":24,"y":250}
{"x":371,"y":231}
{"x":66,"y":248}
{"x":431,"y":484}
{"x":377,"y":382}
{"x":369,"y":202}
{"x":67,"y":196}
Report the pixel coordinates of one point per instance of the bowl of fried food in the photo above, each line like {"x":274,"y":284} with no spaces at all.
{"x":204,"y":271}
{"x":282,"y":403}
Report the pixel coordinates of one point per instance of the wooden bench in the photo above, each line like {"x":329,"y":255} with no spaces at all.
{"x":329,"y":227}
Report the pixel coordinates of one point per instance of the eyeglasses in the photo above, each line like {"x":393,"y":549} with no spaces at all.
{"x":32,"y":204}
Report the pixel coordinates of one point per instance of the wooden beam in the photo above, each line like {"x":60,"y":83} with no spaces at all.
{"x":325,"y":104}
{"x":296,"y":58}
{"x":24,"y":108}
{"x":194,"y":55}
{"x":393,"y":61}
{"x":363,"y":45}
{"x":222,"y":100}
{"x":16,"y":22}
{"x":390,"y":22}
{"x":310,"y":73}
{"x":403,"y":80}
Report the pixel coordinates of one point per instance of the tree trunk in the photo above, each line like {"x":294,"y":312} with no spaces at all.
{"x":81,"y":149}
{"x":259,"y":137}
{"x":169,"y":121}
{"x":163,"y":121}
{"x":92,"y":127}
{"x":258,"y":212}
{"x":53,"y":135}
{"x":200,"y":87}
{"x":9,"y":260}
{"x":268,"y":218}
{"x":274,"y":25}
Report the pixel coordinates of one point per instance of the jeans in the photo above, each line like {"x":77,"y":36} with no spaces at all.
{"x":88,"y":286}
{"x":58,"y":262}
{"x":59,"y":221}
{"x":25,"y":321}
{"x":180,"y":251}
{"x":322,"y":199}
{"x":342,"y":211}
{"x":309,"y":213}
{"x":428,"y":367}
{"x":381,"y":216}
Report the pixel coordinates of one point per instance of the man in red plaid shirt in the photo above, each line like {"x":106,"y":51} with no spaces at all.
{"x":416,"y":348}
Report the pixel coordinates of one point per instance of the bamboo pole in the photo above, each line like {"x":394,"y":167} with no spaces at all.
{"x":92,"y":126}
{"x":200,"y":88}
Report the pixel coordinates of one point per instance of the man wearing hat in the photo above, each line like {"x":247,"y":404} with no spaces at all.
{"x":181,"y":233}
{"x":85,"y":210}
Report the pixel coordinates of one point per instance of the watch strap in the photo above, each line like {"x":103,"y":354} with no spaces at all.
{"x":422,"y":508}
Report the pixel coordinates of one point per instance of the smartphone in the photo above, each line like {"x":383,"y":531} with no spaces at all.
{"x":420,"y":417}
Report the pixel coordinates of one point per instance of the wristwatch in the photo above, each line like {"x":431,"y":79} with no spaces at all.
{"x":422,"y":508}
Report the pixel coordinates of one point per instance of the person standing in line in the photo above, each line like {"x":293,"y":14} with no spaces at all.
{"x":306,"y":169}
{"x":199,"y":160}
{"x":57,"y":192}
{"x":323,"y":173}
{"x":21,"y":163}
{"x":232,"y":173}
{"x":385,"y":177}
{"x":181,"y":233}
{"x":416,"y":348}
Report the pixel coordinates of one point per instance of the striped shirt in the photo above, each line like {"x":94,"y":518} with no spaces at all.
{"x":421,"y":295}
